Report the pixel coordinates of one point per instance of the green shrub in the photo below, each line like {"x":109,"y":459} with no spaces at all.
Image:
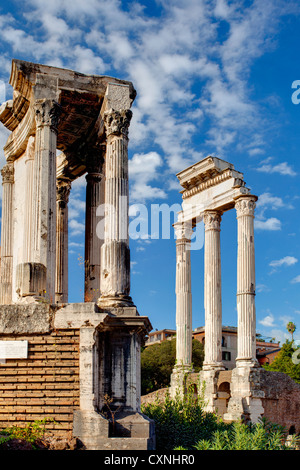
{"x":31,"y":433}
{"x":181,"y":422}
{"x":240,"y":436}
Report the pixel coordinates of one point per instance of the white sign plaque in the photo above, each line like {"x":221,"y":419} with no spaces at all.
{"x":14,"y":349}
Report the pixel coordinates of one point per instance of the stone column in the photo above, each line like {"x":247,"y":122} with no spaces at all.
{"x":93,"y":240}
{"x":47,"y":113}
{"x":63,"y":187}
{"x":246,"y":353}
{"x":183,"y":296}
{"x":7,"y":233}
{"x":212,"y":292}
{"x":115,"y":269}
{"x":28,"y":219}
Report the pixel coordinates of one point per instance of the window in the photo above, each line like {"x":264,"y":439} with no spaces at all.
{"x":226,"y":356}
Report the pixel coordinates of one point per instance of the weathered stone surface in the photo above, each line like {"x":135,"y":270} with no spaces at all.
{"x":21,"y":319}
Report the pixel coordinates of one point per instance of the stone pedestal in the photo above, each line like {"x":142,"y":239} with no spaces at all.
{"x":246,"y":395}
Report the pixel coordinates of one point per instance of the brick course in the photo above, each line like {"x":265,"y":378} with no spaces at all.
{"x":45,"y":385}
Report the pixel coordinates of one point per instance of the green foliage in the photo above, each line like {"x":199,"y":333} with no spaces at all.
{"x":181,"y":422}
{"x":283,"y":362}
{"x":158,"y":360}
{"x":31,"y":433}
{"x":240,"y":436}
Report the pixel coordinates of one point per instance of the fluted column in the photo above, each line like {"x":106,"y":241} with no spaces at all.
{"x":7,"y":234}
{"x":28,"y":219}
{"x":63,"y":187}
{"x":246,"y":354}
{"x":93,"y":240}
{"x":212,"y":292}
{"x":183,"y":234}
{"x":115,"y":269}
{"x":47,"y":114}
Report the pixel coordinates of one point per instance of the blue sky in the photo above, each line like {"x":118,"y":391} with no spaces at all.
{"x":212,"y":78}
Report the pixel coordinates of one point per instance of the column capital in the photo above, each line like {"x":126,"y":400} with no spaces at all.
{"x":63,"y":188}
{"x":47,"y":113}
{"x":8,"y":173}
{"x":117,"y":122}
{"x":212,"y":220}
{"x":245,"y":205}
{"x":183,"y":231}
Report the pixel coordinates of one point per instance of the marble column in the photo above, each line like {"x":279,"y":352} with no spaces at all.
{"x":47,"y":112}
{"x":246,"y":354}
{"x":63,"y":187}
{"x":93,"y":242}
{"x":115,"y":254}
{"x":7,"y":173}
{"x":183,"y":234}
{"x":28,"y":223}
{"x":212,"y":292}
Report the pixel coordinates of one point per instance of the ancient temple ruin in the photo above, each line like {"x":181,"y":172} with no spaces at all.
{"x":210,"y":188}
{"x":63,"y":125}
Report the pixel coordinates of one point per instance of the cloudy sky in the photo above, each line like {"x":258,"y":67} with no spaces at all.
{"x":212,"y":77}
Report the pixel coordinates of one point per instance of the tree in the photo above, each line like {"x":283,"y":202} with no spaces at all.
{"x":284,"y":363}
{"x":158,"y":360}
{"x":291,"y":327}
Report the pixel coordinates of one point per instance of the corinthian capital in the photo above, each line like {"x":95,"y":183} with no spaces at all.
{"x":47,"y":113}
{"x":8,"y":173}
{"x":245,"y":205}
{"x":117,"y":122}
{"x":212,"y":220}
{"x":63,"y":188}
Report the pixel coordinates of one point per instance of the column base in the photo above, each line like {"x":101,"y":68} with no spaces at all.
{"x":115,"y":301}
{"x":214,"y":366}
{"x":178,"y":380}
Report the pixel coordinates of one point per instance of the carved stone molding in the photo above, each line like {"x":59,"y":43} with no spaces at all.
{"x":47,"y":113}
{"x":117,"y":122}
{"x":212,"y":220}
{"x":8,"y":173}
{"x":245,"y":206}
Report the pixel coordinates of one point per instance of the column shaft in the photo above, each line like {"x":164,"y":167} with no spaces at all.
{"x":212,"y":291}
{"x":183,"y":299}
{"x":245,"y":207}
{"x":115,"y":270}
{"x":93,"y":242}
{"x":44,"y":227}
{"x":7,"y":234}
{"x":61,"y":282}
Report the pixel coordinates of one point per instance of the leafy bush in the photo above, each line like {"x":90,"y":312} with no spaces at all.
{"x":30,"y":433}
{"x":240,"y":436}
{"x":181,"y":422}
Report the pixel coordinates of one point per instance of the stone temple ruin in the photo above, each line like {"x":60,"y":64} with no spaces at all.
{"x":210,"y":188}
{"x":63,"y":360}
{"x":79,"y":363}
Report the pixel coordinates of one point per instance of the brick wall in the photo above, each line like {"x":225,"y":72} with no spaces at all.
{"x":46,"y":384}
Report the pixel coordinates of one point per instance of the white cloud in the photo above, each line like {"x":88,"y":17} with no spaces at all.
{"x":267,"y":321}
{"x":144,"y":168}
{"x":286,"y":261}
{"x":271,"y":224}
{"x":296,"y":279}
{"x":282,"y":168}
